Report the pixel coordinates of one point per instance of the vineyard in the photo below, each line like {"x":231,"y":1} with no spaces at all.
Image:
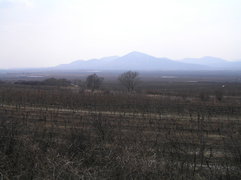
{"x":172,"y":131}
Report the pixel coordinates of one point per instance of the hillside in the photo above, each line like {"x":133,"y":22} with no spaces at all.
{"x":140,"y":61}
{"x":134,"y":60}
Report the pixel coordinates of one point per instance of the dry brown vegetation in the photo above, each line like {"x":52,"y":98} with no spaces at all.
{"x":172,"y":131}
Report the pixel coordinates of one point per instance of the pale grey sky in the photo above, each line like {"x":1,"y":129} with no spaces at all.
{"x":40,"y":33}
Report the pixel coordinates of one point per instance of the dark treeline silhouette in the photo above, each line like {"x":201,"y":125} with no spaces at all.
{"x":30,"y":82}
{"x":2,"y":82}
{"x":49,"y":82}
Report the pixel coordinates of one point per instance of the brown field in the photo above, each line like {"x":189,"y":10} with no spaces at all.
{"x":179,"y":129}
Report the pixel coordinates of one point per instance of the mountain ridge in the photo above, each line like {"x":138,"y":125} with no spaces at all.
{"x":140,"y":61}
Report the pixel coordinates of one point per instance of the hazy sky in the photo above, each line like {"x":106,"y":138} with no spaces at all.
{"x":40,"y":33}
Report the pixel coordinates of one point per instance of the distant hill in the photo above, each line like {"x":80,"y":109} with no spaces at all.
{"x":90,"y":64}
{"x":233,"y":66}
{"x":238,"y":60}
{"x":214,"y":63}
{"x":134,"y":61}
{"x":111,"y":58}
{"x":140,"y":61}
{"x":207,"y":60}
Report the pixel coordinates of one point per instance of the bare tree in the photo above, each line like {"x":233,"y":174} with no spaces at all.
{"x":93,"y":81}
{"x":129,"y":79}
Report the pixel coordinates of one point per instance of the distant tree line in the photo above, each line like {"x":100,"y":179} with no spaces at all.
{"x":128,"y":79}
{"x":29,"y":82}
{"x":57,"y":82}
{"x":50,"y":82}
{"x":2,"y":82}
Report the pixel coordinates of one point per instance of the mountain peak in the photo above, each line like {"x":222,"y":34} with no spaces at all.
{"x":110,"y":58}
{"x":137,"y":54}
{"x":140,"y":61}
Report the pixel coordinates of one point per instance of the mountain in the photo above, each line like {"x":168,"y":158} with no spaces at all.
{"x":207,"y":61}
{"x":90,"y":64}
{"x":214,"y":63}
{"x":238,"y":60}
{"x":232,"y":66}
{"x":140,"y":61}
{"x":111,"y":58}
